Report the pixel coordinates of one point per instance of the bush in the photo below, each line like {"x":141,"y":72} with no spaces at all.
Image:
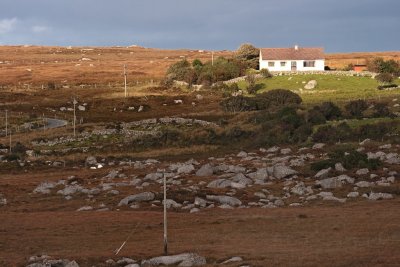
{"x":382,"y":110}
{"x":278,"y":98}
{"x":350,"y":159}
{"x":330,"y":111}
{"x":384,"y":78}
{"x":237,"y":104}
{"x":265,"y":73}
{"x":315,"y":116}
{"x":356,"y":108}
{"x":374,"y":131}
{"x":179,"y":71}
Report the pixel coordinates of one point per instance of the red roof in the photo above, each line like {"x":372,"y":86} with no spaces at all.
{"x":301,"y":53}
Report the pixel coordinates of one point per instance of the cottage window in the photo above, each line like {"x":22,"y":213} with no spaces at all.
{"x":309,"y":63}
{"x":271,"y":64}
{"x":283,"y":63}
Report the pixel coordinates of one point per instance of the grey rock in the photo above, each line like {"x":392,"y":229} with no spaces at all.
{"x":236,"y":169}
{"x":124,"y":261}
{"x":72,"y":264}
{"x":392,"y":158}
{"x":200,"y":202}
{"x":273,"y":149}
{"x":225,"y":200}
{"x":332,"y":198}
{"x":260,"y":174}
{"x":311,"y":85}
{"x":185,"y":169}
{"x":323,"y":173}
{"x":153,"y":176}
{"x":70,"y":190}
{"x":364,"y":184}
{"x":85,"y":208}
{"x":242,"y":154}
{"x":225,"y":206}
{"x":330,"y":183}
{"x":241,"y":179}
{"x":379,"y":196}
{"x":339,"y":167}
{"x":220,"y":183}
{"x":300,"y":189}
{"x":44,"y":188}
{"x":286,"y":151}
{"x":91,"y":160}
{"x":205,"y":170}
{"x":280,"y":171}
{"x":362,"y":171}
{"x":141,"y":197}
{"x":3,"y":200}
{"x":170,"y":203}
{"x":353,"y":194}
{"x":318,"y":146}
{"x":182,"y":260}
{"x":232,"y":260}
{"x":194,"y":210}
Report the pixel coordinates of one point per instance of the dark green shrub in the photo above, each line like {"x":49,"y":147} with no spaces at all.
{"x":382,"y":110}
{"x":315,"y":116}
{"x":356,"y":108}
{"x":384,"y":78}
{"x":302,"y":133}
{"x":374,"y":131}
{"x":330,"y":111}
{"x":238,"y":104}
{"x":179,"y":70}
{"x":277,"y":98}
{"x":12,"y":157}
{"x":265,"y":73}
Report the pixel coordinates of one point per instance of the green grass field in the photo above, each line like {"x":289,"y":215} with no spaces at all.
{"x":330,"y":88}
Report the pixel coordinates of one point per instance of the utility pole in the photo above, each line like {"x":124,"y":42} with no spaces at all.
{"x":6,"y":121}
{"x":212,"y":58}
{"x":74,"y":121}
{"x":10,"y":142}
{"x":165,"y":218}
{"x":125,"y":77}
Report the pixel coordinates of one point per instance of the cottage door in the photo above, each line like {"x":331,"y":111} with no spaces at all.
{"x":294,"y":66}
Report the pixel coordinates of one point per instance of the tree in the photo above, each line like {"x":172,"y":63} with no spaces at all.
{"x":248,"y":54}
{"x":384,"y":78}
{"x":179,"y":70}
{"x":330,"y":110}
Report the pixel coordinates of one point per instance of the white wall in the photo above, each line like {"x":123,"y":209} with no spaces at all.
{"x":319,"y":65}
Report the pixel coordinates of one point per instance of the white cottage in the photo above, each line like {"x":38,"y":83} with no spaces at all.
{"x":292,"y":59}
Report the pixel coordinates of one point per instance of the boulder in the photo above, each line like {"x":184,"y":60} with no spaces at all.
{"x":44,"y":188}
{"x":153,"y":176}
{"x":70,"y":190}
{"x":311,"y":85}
{"x":232,"y":260}
{"x":231,"y":201}
{"x":241,"y":179}
{"x":362,"y":171}
{"x":170,"y":203}
{"x":205,"y":170}
{"x":220,"y":183}
{"x":242,"y":154}
{"x":281,"y":171}
{"x":330,"y":183}
{"x":300,"y":189}
{"x":91,"y":160}
{"x":323,"y":173}
{"x":318,"y":146}
{"x":200,"y":202}
{"x":339,"y":167}
{"x":379,"y":196}
{"x":353,"y":194}
{"x":364,"y":184}
{"x":182,"y":260}
{"x":141,"y":197}
{"x":185,"y":169}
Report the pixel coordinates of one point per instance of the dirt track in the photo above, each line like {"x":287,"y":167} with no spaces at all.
{"x":359,"y":234}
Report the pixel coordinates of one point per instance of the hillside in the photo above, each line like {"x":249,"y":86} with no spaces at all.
{"x":37,"y":66}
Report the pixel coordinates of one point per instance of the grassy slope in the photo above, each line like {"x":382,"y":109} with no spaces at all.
{"x":330,"y":88}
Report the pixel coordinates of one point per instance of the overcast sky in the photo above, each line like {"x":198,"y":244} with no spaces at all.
{"x":337,"y":25}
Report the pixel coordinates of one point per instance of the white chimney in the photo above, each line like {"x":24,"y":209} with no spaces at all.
{"x":296,"y":47}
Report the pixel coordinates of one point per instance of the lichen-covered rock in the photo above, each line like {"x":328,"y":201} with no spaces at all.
{"x":231,"y":201}
{"x":181,"y":260}
{"x":141,"y":197}
{"x":281,"y":171}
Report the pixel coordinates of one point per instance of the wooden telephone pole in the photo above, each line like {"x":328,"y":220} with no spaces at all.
{"x":165,"y":218}
{"x":125,"y":76}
